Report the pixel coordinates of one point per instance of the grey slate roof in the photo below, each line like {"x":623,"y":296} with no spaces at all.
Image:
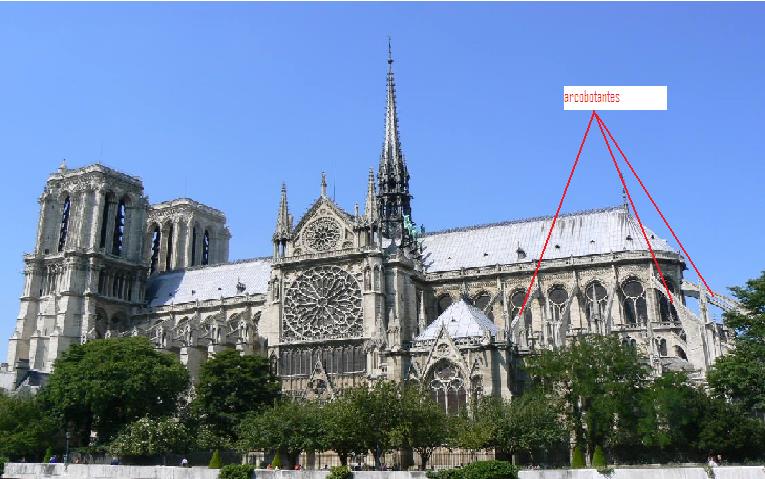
{"x":209,"y":282}
{"x":583,"y":233}
{"x":461,"y":320}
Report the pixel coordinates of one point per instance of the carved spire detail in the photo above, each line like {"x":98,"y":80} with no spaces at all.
{"x":283,"y":219}
{"x":370,"y":206}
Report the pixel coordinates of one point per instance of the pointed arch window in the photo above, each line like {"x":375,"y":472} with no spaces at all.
{"x":448,"y":387}
{"x":104,"y":222}
{"x":667,"y":310}
{"x":481,"y":301}
{"x":662,"y":347}
{"x":119,"y":229}
{"x":516,"y":301}
{"x":597,"y":299}
{"x":194,"y":245}
{"x":206,"y":248}
{"x":557,"y":297}
{"x":169,"y":253}
{"x":156,"y":242}
{"x":635,"y":308}
{"x":444,"y":301}
{"x":64,"y":224}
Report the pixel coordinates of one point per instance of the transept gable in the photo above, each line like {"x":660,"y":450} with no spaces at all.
{"x":324,"y":227}
{"x":444,"y":349}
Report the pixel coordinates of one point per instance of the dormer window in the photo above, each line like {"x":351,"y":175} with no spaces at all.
{"x":521,"y":253}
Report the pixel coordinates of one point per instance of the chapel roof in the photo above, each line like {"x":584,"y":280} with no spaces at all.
{"x":209,"y":282}
{"x":583,"y":233}
{"x":461,"y":320}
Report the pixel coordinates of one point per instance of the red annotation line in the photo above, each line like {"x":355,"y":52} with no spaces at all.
{"x":658,"y":210}
{"x":603,"y":130}
{"x":637,"y":216}
{"x":557,"y":212}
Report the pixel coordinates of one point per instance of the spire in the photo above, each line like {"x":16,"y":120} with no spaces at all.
{"x":323,"y":184}
{"x":370,"y":207}
{"x":393,"y":198}
{"x":283,"y":220}
{"x":392,"y":165}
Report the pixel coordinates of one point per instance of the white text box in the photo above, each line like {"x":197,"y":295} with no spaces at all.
{"x":615,"y":97}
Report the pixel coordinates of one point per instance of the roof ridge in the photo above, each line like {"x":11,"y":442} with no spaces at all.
{"x":524,"y":220}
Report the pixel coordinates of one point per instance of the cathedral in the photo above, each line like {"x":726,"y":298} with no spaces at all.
{"x":348,"y":297}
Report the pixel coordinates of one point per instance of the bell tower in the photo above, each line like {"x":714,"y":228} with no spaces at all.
{"x":86,"y":272}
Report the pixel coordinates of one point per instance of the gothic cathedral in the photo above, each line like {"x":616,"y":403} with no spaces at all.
{"x":347,"y":297}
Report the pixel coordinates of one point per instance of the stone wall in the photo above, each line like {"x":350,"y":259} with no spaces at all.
{"x":80,"y":471}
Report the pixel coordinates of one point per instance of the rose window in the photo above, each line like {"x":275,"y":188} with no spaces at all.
{"x":322,"y":234}
{"x":323,"y":302}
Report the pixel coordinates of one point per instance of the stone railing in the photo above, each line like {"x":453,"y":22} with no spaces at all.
{"x":80,"y":471}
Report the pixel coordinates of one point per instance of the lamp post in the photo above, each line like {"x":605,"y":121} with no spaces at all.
{"x":66,"y":454}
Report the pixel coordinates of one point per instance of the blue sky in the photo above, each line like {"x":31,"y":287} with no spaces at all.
{"x":223,"y":102}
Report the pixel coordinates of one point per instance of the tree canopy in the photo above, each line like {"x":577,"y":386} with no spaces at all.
{"x":26,"y":429}
{"x":104,"y":385}
{"x":598,"y":379}
{"x":230,"y":387}
{"x":740,"y":375}
{"x":290,"y":427}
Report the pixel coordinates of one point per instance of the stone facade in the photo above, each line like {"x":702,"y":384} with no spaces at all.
{"x":346,"y":298}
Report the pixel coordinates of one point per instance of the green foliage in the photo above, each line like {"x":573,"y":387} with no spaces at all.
{"x":577,"y":459}
{"x":26,"y":428}
{"x":340,"y":472}
{"x":597,"y":378}
{"x":236,"y":471}
{"x":671,"y":413}
{"x":599,"y":458}
{"x":528,"y":423}
{"x":104,"y":385}
{"x":290,"y":427}
{"x":148,"y":437}
{"x":729,"y":429}
{"x":478,"y":470}
{"x":47,"y":455}
{"x":215,"y":461}
{"x":379,"y":406}
{"x":423,"y":424}
{"x":340,"y":423}
{"x":3,"y":460}
{"x":740,"y":375}
{"x":276,"y":463}
{"x":231,"y":386}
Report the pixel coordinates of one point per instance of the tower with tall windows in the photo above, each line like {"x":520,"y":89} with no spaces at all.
{"x":86,"y":273}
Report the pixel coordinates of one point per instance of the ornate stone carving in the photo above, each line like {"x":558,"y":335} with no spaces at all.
{"x":323,"y":302}
{"x":322,"y":234}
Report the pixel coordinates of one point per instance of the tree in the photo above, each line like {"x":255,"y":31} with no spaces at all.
{"x":740,"y":375}
{"x":423,"y":424}
{"x":598,"y":379}
{"x":230,"y":387}
{"x":671,"y":413}
{"x":378,"y":406}
{"x":529,"y":423}
{"x":478,"y":429}
{"x":25,"y":427}
{"x":289,"y":427}
{"x":730,"y":430}
{"x":151,"y":437}
{"x":104,"y":385}
{"x":340,"y":423}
